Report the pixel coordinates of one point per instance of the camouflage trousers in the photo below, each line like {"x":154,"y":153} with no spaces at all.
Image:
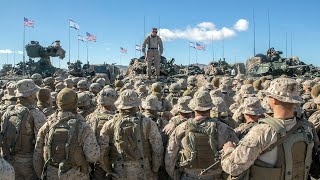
{"x":23,"y":168}
{"x":153,"y":53}
{"x":52,"y":173}
{"x":133,"y":171}
{"x":6,"y":170}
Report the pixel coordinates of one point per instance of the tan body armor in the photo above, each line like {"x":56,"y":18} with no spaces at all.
{"x":199,"y":145}
{"x":294,"y":153}
{"x":17,"y":132}
{"x":63,"y":148}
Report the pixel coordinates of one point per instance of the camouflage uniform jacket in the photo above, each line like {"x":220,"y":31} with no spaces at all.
{"x":93,"y":118}
{"x":132,"y":169}
{"x":224,"y":132}
{"x":6,"y":170}
{"x":315,"y":120}
{"x":239,"y":159}
{"x":161,"y":123}
{"x":243,"y":129}
{"x":87,"y":139}
{"x":306,"y":97}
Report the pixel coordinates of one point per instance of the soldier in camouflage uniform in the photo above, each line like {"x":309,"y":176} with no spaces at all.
{"x":252,"y":112}
{"x":37,"y":78}
{"x":177,"y":159}
{"x":307,"y":85}
{"x":20,"y":126}
{"x":98,"y":118}
{"x":49,"y":83}
{"x":83,"y":85}
{"x":181,"y":113}
{"x":166,"y":107}
{"x":151,"y":106}
{"x":85,"y":104}
{"x":65,"y":144}
{"x":59,"y":86}
{"x":6,"y":170}
{"x":45,"y":101}
{"x":192,"y":86}
{"x":174,"y":93}
{"x":8,"y":98}
{"x":95,"y":88}
{"x":119,"y":159}
{"x":258,"y":155}
{"x":69,"y":83}
{"x":142,"y":91}
{"x":221,"y":112}
{"x":315,"y":117}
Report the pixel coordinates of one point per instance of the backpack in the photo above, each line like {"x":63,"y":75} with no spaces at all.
{"x":294,"y":152}
{"x":17,"y":135}
{"x":199,"y":145}
{"x":62,"y":146}
{"x":100,"y":120}
{"x":129,"y":140}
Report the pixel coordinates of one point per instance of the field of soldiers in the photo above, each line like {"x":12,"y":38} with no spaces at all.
{"x":226,"y":127}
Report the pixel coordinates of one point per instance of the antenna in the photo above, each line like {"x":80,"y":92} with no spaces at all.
{"x":159,"y":25}
{"x":286,"y":45}
{"x":254,"y":35}
{"x":291,"y":44}
{"x":269,"y":26}
{"x":144,"y":26}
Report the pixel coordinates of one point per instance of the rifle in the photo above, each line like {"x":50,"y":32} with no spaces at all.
{"x":214,"y":165}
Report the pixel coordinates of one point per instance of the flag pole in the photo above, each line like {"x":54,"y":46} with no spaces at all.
{"x":78,"y":45}
{"x":196,"y":56}
{"x":291,"y":44}
{"x":24,"y":58}
{"x":87,"y":52}
{"x":269,"y":28}
{"x":189,"y":52}
{"x":286,"y":45}
{"x":69,"y":41}
{"x":135,"y":50}
{"x":254,"y":34}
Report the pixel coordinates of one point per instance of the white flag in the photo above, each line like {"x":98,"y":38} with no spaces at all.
{"x":74,"y":25}
{"x":138,"y":48}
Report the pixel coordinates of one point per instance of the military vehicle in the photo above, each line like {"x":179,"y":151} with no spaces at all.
{"x":192,"y":69}
{"x":221,"y":67}
{"x":103,"y":70}
{"x":274,"y":64}
{"x":167,"y":67}
{"x":43,"y":66}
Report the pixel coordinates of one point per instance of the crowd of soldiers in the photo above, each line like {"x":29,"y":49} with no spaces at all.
{"x":227,"y":128}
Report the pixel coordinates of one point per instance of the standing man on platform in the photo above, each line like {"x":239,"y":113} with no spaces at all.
{"x":155,"y":50}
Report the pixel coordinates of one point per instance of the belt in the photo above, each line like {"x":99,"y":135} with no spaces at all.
{"x":153,"y":48}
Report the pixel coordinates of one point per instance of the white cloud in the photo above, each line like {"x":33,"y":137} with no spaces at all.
{"x":204,"y":32}
{"x":19,"y":52}
{"x":5,"y":51}
{"x":8,"y":51}
{"x":241,"y":25}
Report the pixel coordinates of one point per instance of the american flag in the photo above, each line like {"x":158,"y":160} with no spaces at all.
{"x":123,"y":50}
{"x":200,"y":47}
{"x":91,"y":37}
{"x":28,"y":23}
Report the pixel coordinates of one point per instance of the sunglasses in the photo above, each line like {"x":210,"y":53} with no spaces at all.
{"x":155,"y":31}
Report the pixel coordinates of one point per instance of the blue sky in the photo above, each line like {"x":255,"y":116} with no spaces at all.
{"x":120,"y":23}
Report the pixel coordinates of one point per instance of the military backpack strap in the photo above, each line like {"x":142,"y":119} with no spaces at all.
{"x":283,"y":138}
{"x":275,"y":124}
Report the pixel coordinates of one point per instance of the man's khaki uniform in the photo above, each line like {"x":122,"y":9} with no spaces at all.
{"x":155,"y":50}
